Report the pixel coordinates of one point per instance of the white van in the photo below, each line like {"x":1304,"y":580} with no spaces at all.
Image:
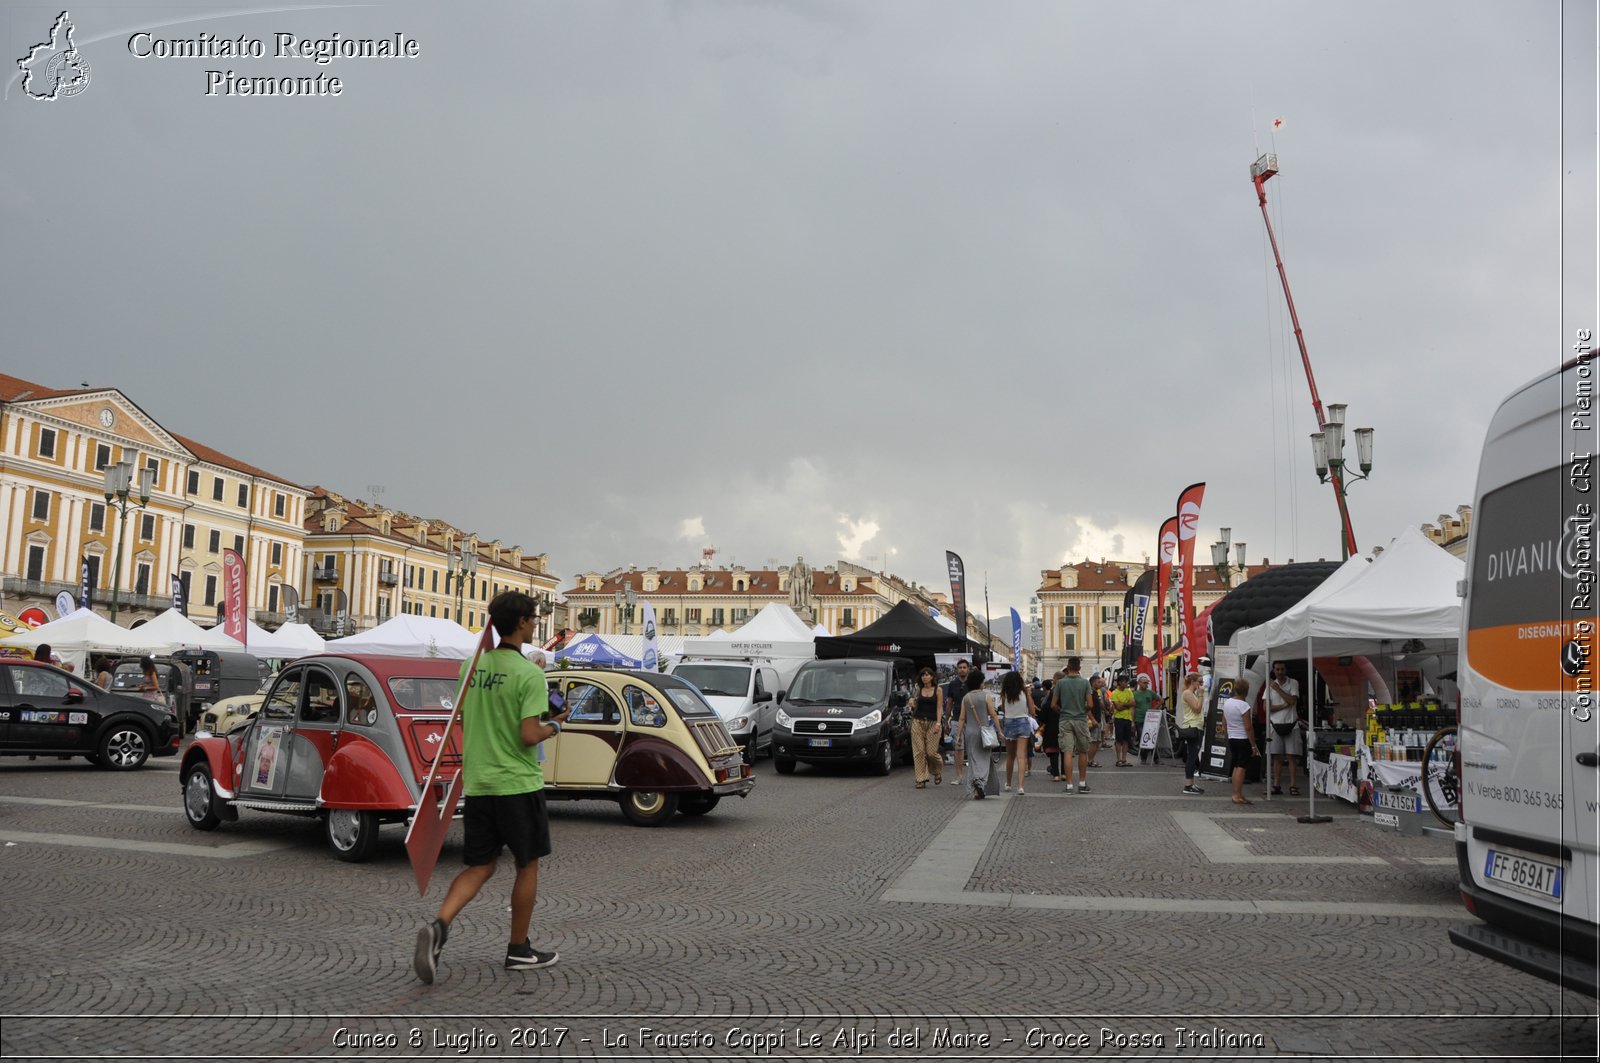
{"x":1526,"y":845}
{"x":746,"y":694}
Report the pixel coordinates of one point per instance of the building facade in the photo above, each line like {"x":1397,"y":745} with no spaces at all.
{"x":366,"y":564}
{"x":700,"y":599}
{"x":56,"y":519}
{"x":1081,"y":610}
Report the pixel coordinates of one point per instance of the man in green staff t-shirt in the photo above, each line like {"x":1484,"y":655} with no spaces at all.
{"x":503,"y":721}
{"x":1071,"y":696}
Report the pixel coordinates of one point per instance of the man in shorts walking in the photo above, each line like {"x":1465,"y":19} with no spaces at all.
{"x":1071,"y":697}
{"x":502,"y":723}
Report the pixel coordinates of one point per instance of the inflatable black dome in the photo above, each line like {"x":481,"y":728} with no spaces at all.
{"x":1267,"y":596}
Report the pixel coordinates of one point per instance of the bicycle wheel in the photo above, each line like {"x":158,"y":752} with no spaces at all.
{"x":1441,"y":775}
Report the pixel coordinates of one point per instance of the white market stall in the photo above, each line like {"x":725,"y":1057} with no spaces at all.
{"x":411,"y":636}
{"x":1407,"y":596}
{"x":83,"y":632}
{"x":179,"y":632}
{"x":290,"y":640}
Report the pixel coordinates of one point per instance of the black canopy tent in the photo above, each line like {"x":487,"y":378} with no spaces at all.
{"x":904,"y":631}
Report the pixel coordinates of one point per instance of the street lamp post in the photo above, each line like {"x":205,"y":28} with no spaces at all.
{"x":118,"y":485}
{"x":463,"y":563}
{"x":1219,"y":556}
{"x":625,"y":597}
{"x":1327,"y":452}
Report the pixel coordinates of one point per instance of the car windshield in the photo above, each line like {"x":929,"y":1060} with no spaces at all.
{"x":716,"y":680}
{"x":684,"y":697}
{"x":841,"y":683}
{"x":423,"y":694}
{"x":127,"y":677}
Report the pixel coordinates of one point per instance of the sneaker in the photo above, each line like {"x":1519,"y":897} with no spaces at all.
{"x":1006,"y":789}
{"x":1083,"y":788}
{"x":430,"y":942}
{"x":1193,"y":790}
{"x":1021,"y":792}
{"x":1277,"y":791}
{"x":525,"y":956}
{"x":1070,"y":789}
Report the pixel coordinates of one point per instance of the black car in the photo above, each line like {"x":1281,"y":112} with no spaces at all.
{"x":850,"y":711}
{"x":45,"y":711}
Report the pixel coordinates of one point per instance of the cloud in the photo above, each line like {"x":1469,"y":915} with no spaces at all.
{"x":856,"y":534}
{"x":692,"y":529}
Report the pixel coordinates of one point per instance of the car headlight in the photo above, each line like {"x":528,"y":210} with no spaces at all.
{"x":871,"y":719}
{"x":784,"y":719}
{"x":738,"y":723}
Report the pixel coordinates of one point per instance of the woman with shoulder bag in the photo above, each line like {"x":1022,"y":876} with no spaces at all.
{"x":1192,"y":708}
{"x":977,"y":717}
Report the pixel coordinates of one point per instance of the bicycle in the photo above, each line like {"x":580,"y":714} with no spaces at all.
{"x":1441,"y":774}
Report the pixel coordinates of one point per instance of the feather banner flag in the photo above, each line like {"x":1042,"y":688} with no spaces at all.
{"x":1188,"y":517}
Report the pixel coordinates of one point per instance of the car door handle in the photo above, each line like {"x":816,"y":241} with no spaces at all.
{"x":1589,"y":760}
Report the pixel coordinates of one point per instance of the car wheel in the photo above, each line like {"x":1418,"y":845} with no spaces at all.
{"x":697,"y":804}
{"x":649,"y":808}
{"x":785,"y":765}
{"x":884,"y":762}
{"x":199,"y":802}
{"x":124,"y":748}
{"x":351,"y":834}
{"x":750,"y":747}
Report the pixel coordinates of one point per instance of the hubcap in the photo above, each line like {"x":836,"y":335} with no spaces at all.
{"x":344,"y":825}
{"x":125,"y":748}
{"x":647,"y":801}
{"x":197,"y":795}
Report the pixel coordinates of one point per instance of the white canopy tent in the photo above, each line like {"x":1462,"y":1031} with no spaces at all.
{"x":774,"y":632}
{"x":78,"y":634}
{"x":179,"y":632}
{"x":411,"y":636}
{"x":290,"y":640}
{"x":252,"y":633}
{"x":1408,"y":592}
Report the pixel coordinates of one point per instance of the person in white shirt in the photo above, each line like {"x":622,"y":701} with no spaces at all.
{"x":1283,"y":714}
{"x":1241,"y":735}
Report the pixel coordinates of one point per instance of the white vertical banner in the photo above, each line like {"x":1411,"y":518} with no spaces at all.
{"x":652,"y":645}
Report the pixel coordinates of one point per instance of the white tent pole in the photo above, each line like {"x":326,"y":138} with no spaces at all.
{"x":1310,"y":691}
{"x":1267,"y":732}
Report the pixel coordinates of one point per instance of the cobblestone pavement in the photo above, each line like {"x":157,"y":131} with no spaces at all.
{"x":829,"y":915}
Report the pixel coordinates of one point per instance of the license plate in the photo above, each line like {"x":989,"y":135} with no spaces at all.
{"x":821,"y":742}
{"x":1535,"y":876}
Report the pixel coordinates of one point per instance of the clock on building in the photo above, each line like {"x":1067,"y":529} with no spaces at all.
{"x":108,"y":417}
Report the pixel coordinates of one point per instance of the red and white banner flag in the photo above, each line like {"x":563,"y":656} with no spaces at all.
{"x":235,"y":595}
{"x":1166,"y":554}
{"x":1188,"y":517}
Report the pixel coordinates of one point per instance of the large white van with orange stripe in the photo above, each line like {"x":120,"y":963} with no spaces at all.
{"x":1526,"y":843}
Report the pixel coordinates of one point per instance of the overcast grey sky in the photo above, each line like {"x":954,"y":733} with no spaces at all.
{"x":619,"y":280}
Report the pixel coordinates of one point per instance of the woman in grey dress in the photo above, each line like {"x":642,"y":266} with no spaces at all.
{"x":983,"y":771}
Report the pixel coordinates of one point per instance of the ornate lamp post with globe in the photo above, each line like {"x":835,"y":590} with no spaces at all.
{"x":118,"y":486}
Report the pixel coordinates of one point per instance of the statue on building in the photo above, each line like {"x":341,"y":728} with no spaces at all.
{"x":800,"y":589}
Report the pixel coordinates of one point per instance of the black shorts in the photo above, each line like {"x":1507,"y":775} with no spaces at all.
{"x":1124,"y":730}
{"x":1239,"y":752}
{"x":516,"y":821}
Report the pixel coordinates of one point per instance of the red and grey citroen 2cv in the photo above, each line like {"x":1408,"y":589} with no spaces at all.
{"x":350,"y":739}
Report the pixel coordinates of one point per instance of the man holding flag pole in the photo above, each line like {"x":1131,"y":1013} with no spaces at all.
{"x":504,"y":709}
